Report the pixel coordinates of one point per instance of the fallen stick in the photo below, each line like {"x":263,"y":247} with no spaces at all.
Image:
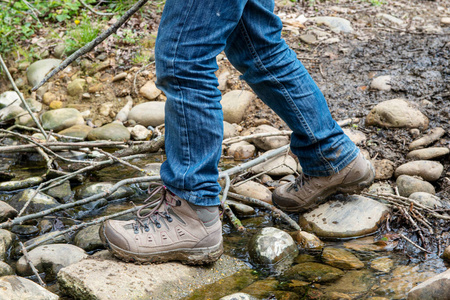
{"x":33,"y":268}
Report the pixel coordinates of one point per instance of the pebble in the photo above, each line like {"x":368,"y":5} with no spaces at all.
{"x":308,"y":38}
{"x":427,"y":199}
{"x":59,"y":119}
{"x":381,"y":188}
{"x":11,"y":112}
{"x":254,"y":190}
{"x":37,"y":70}
{"x":242,"y":150}
{"x":7,"y":211}
{"x":307,"y":240}
{"x":223,"y":80}
{"x":122,"y":115}
{"x":408,"y":184}
{"x":105,"y":108}
{"x":445,"y":20}
{"x":391,"y":19}
{"x":336,"y":24}
{"x":91,"y":189}
{"x":149,"y":90}
{"x":80,"y":131}
{"x":238,"y":296}
{"x":428,"y":153}
{"x":428,"y":170}
{"x":15,"y":287}
{"x":48,"y":98}
{"x":110,"y":132}
{"x":241,"y":209}
{"x":76,"y":87}
{"x":382,"y":83}
{"x":96,"y":88}
{"x":384,"y":169}
{"x":56,"y":104}
{"x":434,"y":135}
{"x":341,"y":258}
{"x":9,"y":98}
{"x":267,"y":143}
{"x":148,"y":113}
{"x":120,"y":76}
{"x":59,"y":50}
{"x":235,"y":105}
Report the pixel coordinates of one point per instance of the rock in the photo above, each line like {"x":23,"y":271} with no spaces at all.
{"x":96,"y":88}
{"x":37,"y":70}
{"x":314,"y":272}
{"x":427,"y":199}
{"x":396,"y":113}
{"x":7,"y":212}
{"x":428,"y":153}
{"x":5,"y":270}
{"x":140,"y":133}
{"x":336,"y":24}
{"x":446,"y":255}
{"x":120,"y":76}
{"x":88,"y":238}
{"x":384,"y":169}
{"x":241,"y":150}
{"x":391,"y":19}
{"x":254,"y":190}
{"x":50,"y":259}
{"x":11,"y":112}
{"x":268,"y":143}
{"x":76,"y":87}
{"x":223,"y":80}
{"x":437,"y":287}
{"x":59,"y":50}
{"x":26,"y":120}
{"x":35,"y":106}
{"x":112,"y":132}
{"x":9,"y":98}
{"x":105,"y":108}
{"x":235,"y":104}
{"x":380,"y":187}
{"x":381,"y":83}
{"x":148,"y":113}
{"x":428,"y":170}
{"x":153,"y":168}
{"x":273,"y":248}
{"x":356,"y":216}
{"x":279,"y":166}
{"x":51,"y":238}
{"x":445,"y":20}
{"x":61,"y":192}
{"x":15,"y":287}
{"x":122,"y":115}
{"x":56,"y":104}
{"x":229,"y":130}
{"x":38,"y":203}
{"x":341,"y":258}
{"x":60,"y":119}
{"x":408,"y":184}
{"x":6,"y":242}
{"x":41,"y":138}
{"x":382,"y":264}
{"x":307,"y":240}
{"x":89,"y":190}
{"x":241,"y":209}
{"x":150,"y":91}
{"x":308,"y":38}
{"x":434,"y":135}
{"x":238,"y":296}
{"x":87,"y":279}
{"x":262,"y":289}
{"x":355,"y":136}
{"x":20,"y":184}
{"x":48,"y":98}
{"x":353,"y":282}
{"x":80,"y":131}
{"x":370,"y":244}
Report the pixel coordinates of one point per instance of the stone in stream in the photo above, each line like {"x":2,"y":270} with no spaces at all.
{"x":15,"y":287}
{"x":254,"y":190}
{"x":235,"y":104}
{"x":434,"y":135}
{"x":37,"y":70}
{"x":381,"y":83}
{"x":272,"y":248}
{"x":267,"y":143}
{"x":408,"y":184}
{"x":446,"y":255}
{"x":428,"y":170}
{"x":313,"y":272}
{"x":341,"y":258}
{"x":52,"y":238}
{"x":428,"y":153}
{"x":427,"y":199}
{"x":278,"y":166}
{"x":7,"y":211}
{"x":382,"y":264}
{"x":242,"y":150}
{"x":150,"y":91}
{"x":92,"y":189}
{"x":437,"y":287}
{"x":384,"y":169}
{"x":396,"y":113}
{"x":110,"y":132}
{"x":62,"y":192}
{"x":307,"y":240}
{"x":59,"y":119}
{"x":5,"y":270}
{"x":241,"y":209}
{"x":88,"y":238}
{"x":356,"y":216}
{"x":336,"y":24}
{"x":9,"y":98}
{"x":238,"y":296}
{"x":80,"y":131}
{"x":7,"y":239}
{"x":39,"y":202}
{"x":102,"y":277}
{"x":148,"y":113}
{"x":353,"y":282}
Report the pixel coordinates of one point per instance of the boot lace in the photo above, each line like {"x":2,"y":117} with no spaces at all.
{"x":299,"y":182}
{"x":160,"y":211}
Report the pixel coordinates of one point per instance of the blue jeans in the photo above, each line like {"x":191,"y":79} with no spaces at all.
{"x":191,"y":34}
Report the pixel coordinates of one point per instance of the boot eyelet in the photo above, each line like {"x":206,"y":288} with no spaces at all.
{"x":169,"y":219}
{"x":158,"y":225}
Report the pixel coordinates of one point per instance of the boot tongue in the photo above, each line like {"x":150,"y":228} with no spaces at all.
{"x":209,"y":215}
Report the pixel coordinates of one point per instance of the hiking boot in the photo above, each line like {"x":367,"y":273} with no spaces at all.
{"x":174,"y":230}
{"x":308,"y":192}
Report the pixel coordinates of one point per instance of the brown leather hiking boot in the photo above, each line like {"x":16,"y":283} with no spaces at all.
{"x":174,"y":230}
{"x":308,"y":192}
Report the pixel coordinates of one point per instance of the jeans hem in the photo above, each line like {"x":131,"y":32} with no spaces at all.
{"x":194,"y":198}
{"x":331,"y":171}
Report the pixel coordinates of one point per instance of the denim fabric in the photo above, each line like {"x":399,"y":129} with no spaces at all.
{"x":191,"y":34}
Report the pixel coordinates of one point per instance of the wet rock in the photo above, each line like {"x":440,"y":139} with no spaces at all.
{"x":356,"y":216}
{"x":437,"y":287}
{"x":11,"y":112}
{"x":336,"y":24}
{"x":353,"y":282}
{"x":427,"y":199}
{"x":15,"y":287}
{"x":314,"y":272}
{"x":149,"y":90}
{"x":37,"y":70}
{"x":446,"y":255}
{"x":396,"y":113}
{"x":382,"y":264}
{"x":428,"y":170}
{"x":59,"y":119}
{"x":355,"y":136}
{"x":278,"y":166}
{"x":229,"y":130}
{"x":262,"y":289}
{"x":370,"y":244}
{"x":7,"y":211}
{"x":341,"y":258}
{"x":384,"y":169}
{"x":434,"y":135}
{"x":391,"y":19}
{"x":267,"y":143}
{"x":241,"y":209}
{"x":148,"y":113}
{"x":241,"y":150}
{"x":238,"y":296}
{"x":80,"y":131}
{"x":112,"y":132}
{"x":428,"y":153}
{"x":5,"y":270}
{"x":140,"y":133}
{"x":87,"y":279}
{"x":307,"y":240}
{"x":235,"y":104}
{"x":408,"y":184}
{"x":381,"y":187}
{"x":6,"y":242}
{"x":273,"y":248}
{"x":9,"y":98}
{"x":381,"y":83}
{"x":39,"y":202}
{"x":61,"y":192}
{"x":89,"y":190}
{"x":88,"y":238}
{"x":254,"y":190}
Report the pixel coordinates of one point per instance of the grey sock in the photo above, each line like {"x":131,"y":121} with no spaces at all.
{"x":208,"y":214}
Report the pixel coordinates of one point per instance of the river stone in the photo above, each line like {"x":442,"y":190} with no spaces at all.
{"x":396,"y":113}
{"x":314,"y":272}
{"x":89,"y":190}
{"x":370,"y":244}
{"x":279,"y":166}
{"x":353,"y":282}
{"x":222,"y":79}
{"x":381,"y":188}
{"x":91,"y":278}
{"x":148,"y":113}
{"x":382,"y":264}
{"x":238,"y":296}
{"x":229,"y":130}
{"x":112,"y":132}
{"x":5,"y":270}
{"x":273,"y":248}
{"x":307,"y":240}
{"x":241,"y":209}
{"x":34,"y":105}
{"x":355,"y":136}
{"x":15,"y":287}
{"x":140,"y":133}
{"x":384,"y":169}
{"x":26,"y":120}
{"x":341,"y":258}
{"x":150,"y":91}
{"x":122,"y":115}
{"x":267,"y":143}
{"x":53,"y":238}
{"x":262,"y":289}
{"x":242,"y":150}
{"x":59,"y":50}
{"x":356,"y":216}
{"x":11,"y":112}
{"x":434,"y":135}
{"x":428,"y":170}
{"x":428,"y":153}
{"x":408,"y":184}
{"x":7,"y":211}
{"x":9,"y":98}
{"x":254,"y":190}
{"x":381,"y":83}
{"x":61,"y":192}
{"x":79,"y":131}
{"x":336,"y":24}
{"x":59,"y":119}
{"x":235,"y":104}
{"x":427,"y":199}
{"x":40,"y":202}
{"x":88,"y":238}
{"x":37,"y":70}
{"x":6,"y":241}
{"x":437,"y":287}
{"x":446,"y":255}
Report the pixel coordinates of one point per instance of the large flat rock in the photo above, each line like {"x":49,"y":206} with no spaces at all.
{"x":104,"y":277}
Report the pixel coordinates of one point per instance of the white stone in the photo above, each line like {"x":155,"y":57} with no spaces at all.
{"x":37,"y":70}
{"x":336,"y":24}
{"x":381,"y":83}
{"x":270,"y":142}
{"x":9,"y":98}
{"x":254,"y":190}
{"x":235,"y":104}
{"x":148,"y":113}
{"x":356,"y":136}
{"x":391,"y":19}
{"x":15,"y":287}
{"x":140,"y":133}
{"x":149,"y":90}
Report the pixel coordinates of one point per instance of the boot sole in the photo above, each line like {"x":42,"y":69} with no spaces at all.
{"x":190,"y":256}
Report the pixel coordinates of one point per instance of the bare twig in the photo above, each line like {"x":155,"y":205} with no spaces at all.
{"x":236,"y":139}
{"x":233,"y":219}
{"x":93,"y":10}
{"x":29,"y":200}
{"x":414,"y":244}
{"x":119,"y":160}
{"x":33,"y":268}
